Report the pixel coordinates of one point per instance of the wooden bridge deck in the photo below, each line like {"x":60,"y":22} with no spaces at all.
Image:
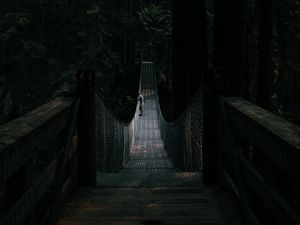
{"x":149,"y":190}
{"x":156,"y":205}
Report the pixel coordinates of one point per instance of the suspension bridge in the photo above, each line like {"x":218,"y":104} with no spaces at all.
{"x":149,"y":189}
{"x":71,"y":162}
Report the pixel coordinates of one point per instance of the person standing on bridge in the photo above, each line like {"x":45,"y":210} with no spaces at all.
{"x":141,"y":103}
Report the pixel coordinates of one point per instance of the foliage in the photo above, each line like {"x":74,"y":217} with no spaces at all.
{"x":156,"y":23}
{"x":42,"y":43}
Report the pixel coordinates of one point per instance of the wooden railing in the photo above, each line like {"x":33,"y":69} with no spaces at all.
{"x":29,"y":149}
{"x":260,"y":158}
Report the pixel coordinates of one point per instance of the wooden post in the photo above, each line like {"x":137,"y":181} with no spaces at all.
{"x":86,"y":129}
{"x":210,"y":129}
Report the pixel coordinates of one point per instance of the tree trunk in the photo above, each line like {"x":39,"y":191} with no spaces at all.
{"x":236,"y":83}
{"x":220,"y":34}
{"x":264,"y":81}
{"x":190,"y":57}
{"x":196,"y":44}
{"x":229,"y":50}
{"x":179,"y":51}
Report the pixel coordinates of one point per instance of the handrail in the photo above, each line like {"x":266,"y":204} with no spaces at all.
{"x":22,"y":140}
{"x":241,"y":174}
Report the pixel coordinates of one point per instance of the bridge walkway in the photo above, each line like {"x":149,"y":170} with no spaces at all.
{"x":149,"y":189}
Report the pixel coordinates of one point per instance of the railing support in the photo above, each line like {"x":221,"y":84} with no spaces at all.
{"x":210,"y":128}
{"x":86,"y":129}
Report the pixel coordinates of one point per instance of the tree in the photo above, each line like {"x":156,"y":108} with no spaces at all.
{"x":156,"y":25}
{"x":264,"y":83}
{"x":189,"y":50}
{"x":230,"y":44}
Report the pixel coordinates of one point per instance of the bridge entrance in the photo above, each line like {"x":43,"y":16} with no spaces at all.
{"x":149,"y":189}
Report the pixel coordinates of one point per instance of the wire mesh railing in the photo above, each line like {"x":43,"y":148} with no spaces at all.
{"x":183,"y":138}
{"x":114,"y":139}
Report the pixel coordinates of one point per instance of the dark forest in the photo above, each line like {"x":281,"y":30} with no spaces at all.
{"x":149,"y":112}
{"x":43,"y":42}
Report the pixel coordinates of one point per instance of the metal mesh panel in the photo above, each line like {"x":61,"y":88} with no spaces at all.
{"x":183,"y":138}
{"x":113,"y":141}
